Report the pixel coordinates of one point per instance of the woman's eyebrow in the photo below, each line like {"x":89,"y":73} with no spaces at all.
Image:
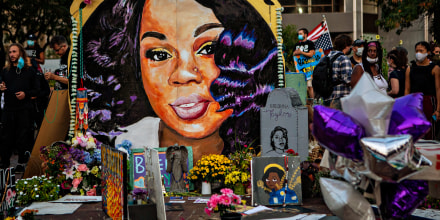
{"x":206,"y":27}
{"x":154,"y":34}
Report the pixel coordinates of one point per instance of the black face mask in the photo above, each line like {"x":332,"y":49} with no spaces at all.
{"x":349,"y":52}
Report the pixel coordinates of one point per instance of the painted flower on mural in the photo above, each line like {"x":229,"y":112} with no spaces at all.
{"x":210,"y":168}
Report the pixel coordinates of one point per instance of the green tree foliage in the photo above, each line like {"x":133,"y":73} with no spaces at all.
{"x":401,"y":13}
{"x":290,"y":38}
{"x":48,"y":18}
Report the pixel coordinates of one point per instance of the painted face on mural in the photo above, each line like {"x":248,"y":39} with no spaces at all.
{"x":273,"y":181}
{"x":177,"y":63}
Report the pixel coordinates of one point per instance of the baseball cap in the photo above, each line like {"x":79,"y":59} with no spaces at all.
{"x":358,"y":42}
{"x":32,"y":37}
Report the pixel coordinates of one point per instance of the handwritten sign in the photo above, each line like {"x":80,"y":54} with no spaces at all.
{"x":306,"y":65}
{"x":7,"y":191}
{"x":163,"y":167}
{"x":137,"y":168}
{"x":284,"y":123}
{"x":114,"y":182}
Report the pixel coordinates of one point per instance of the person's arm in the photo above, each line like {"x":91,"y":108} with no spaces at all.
{"x":436,"y":73}
{"x":41,"y":59}
{"x":308,"y":54}
{"x":407,"y":83}
{"x":50,"y":75}
{"x":394,"y":86}
{"x":356,"y":75}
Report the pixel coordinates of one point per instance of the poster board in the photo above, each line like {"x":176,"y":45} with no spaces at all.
{"x":154,"y":182}
{"x":163,"y":167}
{"x":114,"y":182}
{"x":138,"y":170}
{"x":268,"y":173}
{"x":7,"y":191}
{"x":306,"y":65}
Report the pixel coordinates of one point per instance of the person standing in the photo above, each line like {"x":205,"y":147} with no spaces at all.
{"x":397,"y":60}
{"x":424,"y":76}
{"x":306,"y":48}
{"x":358,"y":48}
{"x":19,"y":84}
{"x":35,"y":52}
{"x":61,"y":48}
{"x":341,"y":70}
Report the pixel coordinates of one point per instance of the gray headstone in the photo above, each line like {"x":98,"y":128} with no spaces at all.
{"x":284,"y":115}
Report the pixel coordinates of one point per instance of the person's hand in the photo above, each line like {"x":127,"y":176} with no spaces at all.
{"x":437,"y":115}
{"x":296,"y":52}
{"x":48,"y":75}
{"x":20,"y":95}
{"x":2,"y":86}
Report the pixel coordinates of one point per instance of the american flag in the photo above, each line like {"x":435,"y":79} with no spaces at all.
{"x":321,"y":36}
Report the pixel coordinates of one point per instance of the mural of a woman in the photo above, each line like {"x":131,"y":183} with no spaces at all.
{"x":190,"y":72}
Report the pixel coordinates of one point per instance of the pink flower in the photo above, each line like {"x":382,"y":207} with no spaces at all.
{"x":88,"y":2}
{"x":236,"y":199}
{"x":76,"y":182}
{"x":225,"y":200}
{"x":82,"y":167}
{"x":227,"y":191}
{"x":213,"y":202}
{"x":92,"y":192}
{"x":208,"y":211}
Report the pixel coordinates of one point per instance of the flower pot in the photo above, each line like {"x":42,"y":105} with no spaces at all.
{"x":239,"y":189}
{"x":231,"y":216}
{"x":206,"y":188}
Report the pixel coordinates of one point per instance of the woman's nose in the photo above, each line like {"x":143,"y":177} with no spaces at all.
{"x":185,"y":73}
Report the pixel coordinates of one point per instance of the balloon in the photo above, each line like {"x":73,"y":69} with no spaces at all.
{"x":407,"y":117}
{"x":399,"y":200}
{"x":369,"y":106}
{"x":344,"y":201}
{"x":392,"y":158}
{"x":338,"y":132}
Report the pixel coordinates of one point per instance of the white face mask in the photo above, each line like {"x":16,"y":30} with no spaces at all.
{"x":371,"y":60}
{"x":359,"y":51}
{"x":421,"y":56}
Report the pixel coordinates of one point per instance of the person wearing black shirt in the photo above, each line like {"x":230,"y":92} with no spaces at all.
{"x":307,"y":48}
{"x":60,"y":46}
{"x":358,"y":48}
{"x":398,"y":61}
{"x":19,"y":84}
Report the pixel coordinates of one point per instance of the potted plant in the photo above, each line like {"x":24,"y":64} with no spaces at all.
{"x":209,"y":169}
{"x":224,"y":204}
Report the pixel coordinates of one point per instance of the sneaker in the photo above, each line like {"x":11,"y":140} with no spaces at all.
{"x":20,"y":168}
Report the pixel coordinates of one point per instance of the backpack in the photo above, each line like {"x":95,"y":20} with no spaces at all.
{"x":322,"y":81}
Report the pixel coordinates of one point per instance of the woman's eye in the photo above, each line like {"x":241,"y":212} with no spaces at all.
{"x":158,"y":54}
{"x":207,"y":48}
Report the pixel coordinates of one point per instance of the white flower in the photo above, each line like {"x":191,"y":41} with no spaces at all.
{"x":36,"y":189}
{"x":37,"y":196}
{"x":25,"y":182}
{"x":21,"y":193}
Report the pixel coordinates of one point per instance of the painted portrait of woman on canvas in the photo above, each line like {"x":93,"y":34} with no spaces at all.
{"x":192,"y":72}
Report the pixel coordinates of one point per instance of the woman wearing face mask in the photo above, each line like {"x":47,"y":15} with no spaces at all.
{"x":398,"y":61}
{"x":424,"y":76}
{"x":371,"y":64}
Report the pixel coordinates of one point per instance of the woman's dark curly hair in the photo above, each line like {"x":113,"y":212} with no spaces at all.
{"x":279,"y":128}
{"x":245,"y":54}
{"x":366,"y":64}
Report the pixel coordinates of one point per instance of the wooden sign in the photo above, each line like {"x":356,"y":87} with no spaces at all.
{"x":114,"y":182}
{"x":138,"y":170}
{"x":7,"y":191}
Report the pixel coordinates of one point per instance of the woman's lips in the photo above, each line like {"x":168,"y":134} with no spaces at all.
{"x":191,"y":107}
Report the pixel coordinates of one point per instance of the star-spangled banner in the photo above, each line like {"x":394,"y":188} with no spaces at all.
{"x":320,"y":35}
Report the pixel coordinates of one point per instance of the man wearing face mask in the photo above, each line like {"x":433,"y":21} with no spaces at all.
{"x":19,"y":84}
{"x":358,"y":48}
{"x":306,"y":48}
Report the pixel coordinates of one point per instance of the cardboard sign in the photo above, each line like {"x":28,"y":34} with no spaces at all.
{"x":284,"y":123}
{"x":163,"y":167}
{"x":138,"y":170}
{"x":154,"y":182}
{"x":269,"y":185}
{"x":306,"y":65}
{"x":7,"y":190}
{"x":114,"y":182}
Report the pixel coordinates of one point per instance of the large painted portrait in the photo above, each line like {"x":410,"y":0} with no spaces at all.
{"x":192,"y":72}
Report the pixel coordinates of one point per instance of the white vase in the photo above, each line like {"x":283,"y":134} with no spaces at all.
{"x":206,"y":188}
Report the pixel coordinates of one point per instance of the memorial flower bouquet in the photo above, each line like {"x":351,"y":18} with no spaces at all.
{"x":37,"y":188}
{"x":82,"y":179}
{"x":56,"y":158}
{"x":224,"y":203}
{"x":210,"y":168}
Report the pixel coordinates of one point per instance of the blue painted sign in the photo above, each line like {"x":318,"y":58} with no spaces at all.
{"x":306,"y":65}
